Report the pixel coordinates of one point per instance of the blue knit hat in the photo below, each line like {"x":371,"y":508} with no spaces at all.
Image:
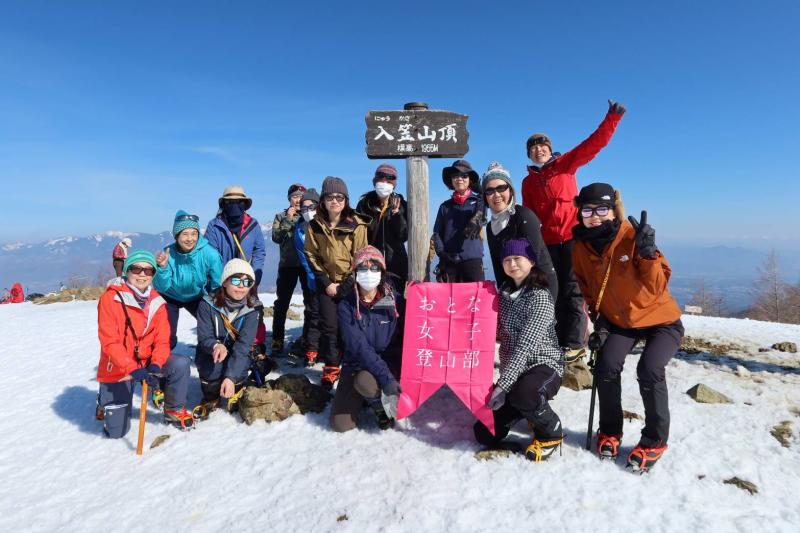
{"x":184,"y":220}
{"x":138,"y":256}
{"x":519,"y":247}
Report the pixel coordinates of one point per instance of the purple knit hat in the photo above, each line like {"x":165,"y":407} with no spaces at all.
{"x":519,"y":247}
{"x":368,"y":252}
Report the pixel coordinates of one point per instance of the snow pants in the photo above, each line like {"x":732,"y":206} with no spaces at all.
{"x":328,"y":328}
{"x":311,"y":330}
{"x":287,"y":281}
{"x":571,"y":319}
{"x":661,"y":344}
{"x":173,"y":311}
{"x":529,"y":398}
{"x":115,"y":399}
{"x":351,"y":392}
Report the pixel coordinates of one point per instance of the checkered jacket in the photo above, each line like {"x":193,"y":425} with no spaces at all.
{"x":527,"y":330}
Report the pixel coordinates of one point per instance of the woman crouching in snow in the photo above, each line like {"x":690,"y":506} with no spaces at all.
{"x":134,"y":346}
{"x":619,"y":260}
{"x":226,"y":326}
{"x":531,"y":362}
{"x":372,"y":332}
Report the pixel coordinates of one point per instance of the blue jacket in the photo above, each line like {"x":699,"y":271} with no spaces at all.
{"x":188,"y":277}
{"x":300,"y":248}
{"x":211,"y":330}
{"x":373,"y":341}
{"x":221,"y":238}
{"x":448,"y":230}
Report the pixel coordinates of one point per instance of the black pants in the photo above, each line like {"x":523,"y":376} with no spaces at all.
{"x":529,"y":398}
{"x":661,"y":344}
{"x":464,"y":272}
{"x":571,"y":319}
{"x":287,"y":281}
{"x":328,"y":328}
{"x":173,"y":311}
{"x":311,"y":331}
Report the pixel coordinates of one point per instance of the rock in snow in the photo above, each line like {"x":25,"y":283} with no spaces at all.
{"x":705,"y":394}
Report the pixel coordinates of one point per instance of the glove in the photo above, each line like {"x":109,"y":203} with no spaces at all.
{"x":599,"y":335}
{"x":451,"y":258}
{"x":473,"y":230}
{"x":645,"y":237}
{"x":145,"y":374}
{"x":615,"y":108}
{"x":498,"y":398}
{"x":392,"y":388}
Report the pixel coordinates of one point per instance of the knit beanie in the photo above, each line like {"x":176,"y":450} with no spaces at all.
{"x":368,"y":253}
{"x":496,"y":171}
{"x":310,"y":194}
{"x":295,"y":188}
{"x":519,"y":247}
{"x":385,"y":168}
{"x":537,"y":138}
{"x":237,"y":266}
{"x":184,"y":220}
{"x":334,"y":185}
{"x":596,"y":193}
{"x":138,"y":256}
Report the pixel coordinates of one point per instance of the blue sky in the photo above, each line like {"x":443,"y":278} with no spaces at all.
{"x":114,"y":116}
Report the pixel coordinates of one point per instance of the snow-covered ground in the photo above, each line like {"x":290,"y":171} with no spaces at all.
{"x":59,"y":474}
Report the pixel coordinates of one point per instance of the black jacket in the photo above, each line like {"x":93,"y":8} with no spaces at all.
{"x":523,"y":224}
{"x":387,"y":233}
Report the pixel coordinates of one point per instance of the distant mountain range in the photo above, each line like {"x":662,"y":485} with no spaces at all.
{"x":43,"y":266}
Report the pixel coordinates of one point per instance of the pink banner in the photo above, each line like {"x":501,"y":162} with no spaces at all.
{"x":449,"y":339}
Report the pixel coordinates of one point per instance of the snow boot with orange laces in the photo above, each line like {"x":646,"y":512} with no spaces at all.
{"x":180,"y":418}
{"x":608,"y":446}
{"x":642,"y":458}
{"x":311,"y":358}
{"x":541,"y":450}
{"x":329,"y":376}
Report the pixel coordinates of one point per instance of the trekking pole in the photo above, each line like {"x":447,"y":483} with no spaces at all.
{"x":591,"y":403}
{"x":142,"y":419}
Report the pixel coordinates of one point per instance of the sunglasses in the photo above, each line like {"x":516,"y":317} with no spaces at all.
{"x":462,"y":177}
{"x":600,"y":210}
{"x":307,"y":208}
{"x":385,"y":176}
{"x":370,"y":268}
{"x":499,"y":189}
{"x":195,"y":218}
{"x":339,"y":198}
{"x":147,"y":271}
{"x":244,"y":282}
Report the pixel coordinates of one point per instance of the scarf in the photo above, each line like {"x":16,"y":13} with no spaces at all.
{"x":234,"y":216}
{"x":233,"y":307}
{"x":598,"y":237}
{"x":500,"y":220}
{"x":140,"y":297}
{"x":461,"y":198}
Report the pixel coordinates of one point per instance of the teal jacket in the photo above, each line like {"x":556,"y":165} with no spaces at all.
{"x":188,"y":277}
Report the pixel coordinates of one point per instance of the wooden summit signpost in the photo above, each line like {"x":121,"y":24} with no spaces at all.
{"x":415,"y":134}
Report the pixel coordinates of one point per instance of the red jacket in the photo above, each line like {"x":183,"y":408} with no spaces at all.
{"x":119,"y":252}
{"x":117,"y":358}
{"x":17,"y":294}
{"x":549,"y":191}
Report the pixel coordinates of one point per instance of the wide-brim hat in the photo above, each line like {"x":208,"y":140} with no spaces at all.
{"x":235,"y":192}
{"x":459,"y":167}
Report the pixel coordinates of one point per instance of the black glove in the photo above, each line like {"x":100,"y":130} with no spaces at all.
{"x":598,"y":337}
{"x":392,"y":388}
{"x":645,"y":237}
{"x":451,"y":258}
{"x":150,"y":374}
{"x":473,"y":230}
{"x":616,"y":108}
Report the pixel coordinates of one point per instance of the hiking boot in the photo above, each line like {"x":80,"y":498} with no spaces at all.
{"x":541,"y":450}
{"x":608,"y":446}
{"x":276,"y":347}
{"x":158,"y":398}
{"x":329,"y":376}
{"x":574,"y":354}
{"x":641,"y":459}
{"x":204,"y":409}
{"x":180,"y":418}
{"x":99,"y":412}
{"x":311,"y":358}
{"x":383,"y":420}
{"x":297,"y":346}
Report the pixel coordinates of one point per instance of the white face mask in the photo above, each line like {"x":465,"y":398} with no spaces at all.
{"x":383,"y":189}
{"x":309,"y":215}
{"x":368,"y":280}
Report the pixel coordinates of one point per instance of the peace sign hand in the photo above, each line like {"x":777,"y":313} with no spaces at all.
{"x":645,"y":236}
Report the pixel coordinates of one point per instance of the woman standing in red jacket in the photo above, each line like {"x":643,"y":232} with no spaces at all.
{"x":548,"y":190}
{"x":134,"y":346}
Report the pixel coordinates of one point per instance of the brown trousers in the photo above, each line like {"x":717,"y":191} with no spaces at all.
{"x":349,"y":399}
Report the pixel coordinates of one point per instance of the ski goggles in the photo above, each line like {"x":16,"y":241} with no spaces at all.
{"x":499,"y":189}
{"x":182,"y":218}
{"x":244,"y":282}
{"x":600,"y":210}
{"x":147,"y":271}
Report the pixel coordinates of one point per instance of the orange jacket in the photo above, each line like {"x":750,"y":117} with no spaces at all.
{"x":117,"y":342}
{"x":636,"y":295}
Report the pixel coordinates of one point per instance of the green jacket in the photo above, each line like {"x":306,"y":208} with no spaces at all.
{"x":283,"y":236}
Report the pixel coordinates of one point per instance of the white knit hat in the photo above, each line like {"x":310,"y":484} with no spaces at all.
{"x":237,"y":266}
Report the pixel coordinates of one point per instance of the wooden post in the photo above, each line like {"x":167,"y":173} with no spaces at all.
{"x":418,"y":207}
